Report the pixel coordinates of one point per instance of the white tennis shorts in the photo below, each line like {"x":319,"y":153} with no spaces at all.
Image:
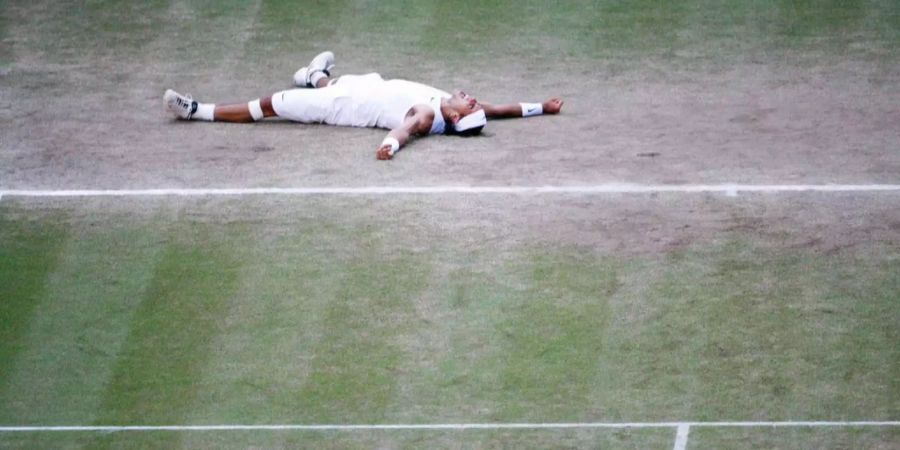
{"x":336,"y":104}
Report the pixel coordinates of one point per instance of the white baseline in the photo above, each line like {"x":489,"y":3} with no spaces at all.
{"x":449,"y":426}
{"x":610,"y":188}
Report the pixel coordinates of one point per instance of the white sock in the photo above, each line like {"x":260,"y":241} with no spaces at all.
{"x":315,"y":77}
{"x":205,"y":111}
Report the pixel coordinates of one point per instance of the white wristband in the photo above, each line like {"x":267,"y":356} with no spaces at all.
{"x":394,"y":143}
{"x":532,"y":109}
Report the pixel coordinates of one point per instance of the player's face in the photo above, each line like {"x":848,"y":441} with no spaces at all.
{"x":464,"y":104}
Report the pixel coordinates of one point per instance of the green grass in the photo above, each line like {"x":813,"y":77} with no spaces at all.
{"x":30,"y":252}
{"x":325,"y":317}
{"x":686,"y":36}
{"x":171,"y":333}
{"x":619,"y":439}
{"x":758,"y":332}
{"x":335,"y":313}
{"x":358,"y":354}
{"x":794,"y":438}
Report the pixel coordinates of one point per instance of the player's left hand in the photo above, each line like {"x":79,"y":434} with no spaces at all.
{"x":553,"y":105}
{"x":384,"y":152}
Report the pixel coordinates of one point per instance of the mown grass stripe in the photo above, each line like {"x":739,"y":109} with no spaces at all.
{"x":161,"y":365}
{"x":359,"y":358}
{"x":29,"y":252}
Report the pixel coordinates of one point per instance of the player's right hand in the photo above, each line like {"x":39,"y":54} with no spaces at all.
{"x":384,"y":152}
{"x":553,"y":105}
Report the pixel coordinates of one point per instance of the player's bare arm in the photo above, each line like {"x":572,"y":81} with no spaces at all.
{"x":418,"y":123}
{"x":553,"y":105}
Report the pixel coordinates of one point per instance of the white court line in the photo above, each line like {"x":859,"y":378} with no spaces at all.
{"x":445,"y":426}
{"x":610,"y":188}
{"x":681,"y":437}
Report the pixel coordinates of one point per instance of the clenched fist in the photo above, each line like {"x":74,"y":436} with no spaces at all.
{"x":552,"y":106}
{"x":384,"y":152}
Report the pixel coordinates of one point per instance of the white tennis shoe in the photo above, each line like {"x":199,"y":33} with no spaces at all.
{"x":182,"y":106}
{"x":323,"y":62}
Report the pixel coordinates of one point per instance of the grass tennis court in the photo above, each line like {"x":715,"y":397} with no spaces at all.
{"x":461,"y":308}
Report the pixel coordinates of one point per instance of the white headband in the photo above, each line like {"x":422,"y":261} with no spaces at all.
{"x":474,"y":120}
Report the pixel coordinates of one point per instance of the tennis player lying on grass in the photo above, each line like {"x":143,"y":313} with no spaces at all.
{"x":406,"y":108}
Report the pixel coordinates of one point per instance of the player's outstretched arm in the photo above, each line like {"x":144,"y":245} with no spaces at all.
{"x":513,"y":110}
{"x":417,"y":123}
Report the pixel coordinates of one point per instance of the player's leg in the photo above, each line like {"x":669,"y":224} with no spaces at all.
{"x":327,"y":105}
{"x":244,"y":112}
{"x":317,"y":73}
{"x":185,"y":107}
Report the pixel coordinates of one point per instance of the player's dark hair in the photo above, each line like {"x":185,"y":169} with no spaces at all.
{"x":467,"y":133}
